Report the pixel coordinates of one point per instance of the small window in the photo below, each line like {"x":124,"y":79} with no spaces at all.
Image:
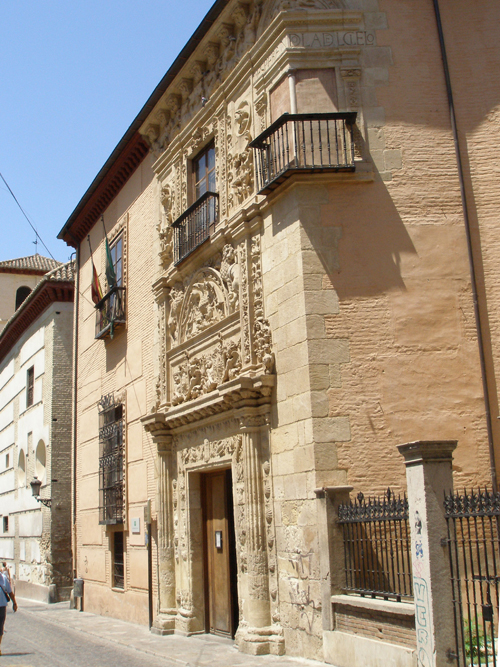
{"x":21,"y":295}
{"x":204,"y":172}
{"x":5,"y":524}
{"x":118,"y":561}
{"x":30,"y":385}
{"x":7,"y":460}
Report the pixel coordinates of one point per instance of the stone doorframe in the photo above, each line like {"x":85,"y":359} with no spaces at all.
{"x":241,"y":442}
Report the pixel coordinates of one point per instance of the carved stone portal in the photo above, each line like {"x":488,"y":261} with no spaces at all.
{"x":182,"y":458}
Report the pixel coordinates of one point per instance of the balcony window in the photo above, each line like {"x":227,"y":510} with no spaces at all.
{"x":110,"y":313}
{"x":312,"y":142}
{"x":203,"y":168}
{"x":111,"y":461}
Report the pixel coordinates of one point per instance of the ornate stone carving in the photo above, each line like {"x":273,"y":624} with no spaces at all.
{"x":261,"y":109}
{"x":210,"y":450}
{"x":245,"y":304}
{"x":240,"y":177}
{"x":211,"y":295}
{"x":243,"y":119}
{"x":288,"y":5}
{"x":230,"y":273}
{"x":201,"y":375}
{"x":164,"y":227}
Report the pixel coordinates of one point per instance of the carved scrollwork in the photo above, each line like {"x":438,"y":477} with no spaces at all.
{"x":211,"y":295}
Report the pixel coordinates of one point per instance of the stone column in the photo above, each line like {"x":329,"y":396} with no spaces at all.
{"x":331,"y":546}
{"x":164,"y":623}
{"x":256,"y":634}
{"x":429,"y":476}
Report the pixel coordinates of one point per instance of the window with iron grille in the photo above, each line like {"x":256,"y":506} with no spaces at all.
{"x":30,"y":384}
{"x":118,"y":561}
{"x":111,"y":452}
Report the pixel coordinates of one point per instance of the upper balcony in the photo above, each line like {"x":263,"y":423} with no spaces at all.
{"x":110,"y":313}
{"x":306,"y":143}
{"x":193,"y":227}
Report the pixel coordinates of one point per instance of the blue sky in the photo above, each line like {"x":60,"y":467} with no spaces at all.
{"x":74,"y":76}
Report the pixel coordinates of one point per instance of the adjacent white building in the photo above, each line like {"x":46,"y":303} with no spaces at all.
{"x":35,"y":437}
{"x":18,"y":277}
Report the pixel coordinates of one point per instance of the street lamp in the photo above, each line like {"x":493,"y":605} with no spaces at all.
{"x":36,"y":485}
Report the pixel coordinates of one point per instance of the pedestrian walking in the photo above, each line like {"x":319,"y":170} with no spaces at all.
{"x":5,"y":570}
{"x":6,"y":595}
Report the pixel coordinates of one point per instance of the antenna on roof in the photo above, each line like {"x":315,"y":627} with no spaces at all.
{"x":35,"y":242}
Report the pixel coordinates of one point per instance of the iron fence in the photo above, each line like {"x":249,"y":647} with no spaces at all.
{"x":473,"y":548}
{"x":193,"y":227}
{"x":304,"y":142}
{"x":377,"y":550}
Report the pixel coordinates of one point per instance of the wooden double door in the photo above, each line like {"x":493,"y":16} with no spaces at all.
{"x":221,"y":598}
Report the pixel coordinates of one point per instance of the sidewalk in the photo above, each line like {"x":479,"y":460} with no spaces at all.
{"x":197,"y":650}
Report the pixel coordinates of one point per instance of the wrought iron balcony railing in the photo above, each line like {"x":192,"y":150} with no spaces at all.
{"x":193,"y":227}
{"x":110,"y":313}
{"x":312,"y":142}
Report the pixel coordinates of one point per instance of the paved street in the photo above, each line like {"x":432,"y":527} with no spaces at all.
{"x":40,"y":635}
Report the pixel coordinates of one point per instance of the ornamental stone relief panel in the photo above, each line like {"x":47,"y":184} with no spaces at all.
{"x":211,"y":325}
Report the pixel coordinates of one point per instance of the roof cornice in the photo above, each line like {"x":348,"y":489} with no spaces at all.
{"x":119,"y":166}
{"x":55,"y":288}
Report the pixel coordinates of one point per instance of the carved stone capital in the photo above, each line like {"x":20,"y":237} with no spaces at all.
{"x":162,"y":437}
{"x":226,"y":33}
{"x":253,"y":420}
{"x":186,"y":87}
{"x":350,"y":72}
{"x":163,"y":116}
{"x":212,"y":52}
{"x":152,"y":132}
{"x":198,"y":70}
{"x":173,"y":102}
{"x":160,"y":290}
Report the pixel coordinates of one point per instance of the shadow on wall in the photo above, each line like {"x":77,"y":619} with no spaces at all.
{"x":362,"y":263}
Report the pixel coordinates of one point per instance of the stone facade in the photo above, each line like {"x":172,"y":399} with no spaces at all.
{"x":308,"y":332}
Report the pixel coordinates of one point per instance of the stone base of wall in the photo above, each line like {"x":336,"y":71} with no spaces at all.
{"x":131,"y":606}
{"x":343,"y":649}
{"x":47,"y":594}
{"x":369,"y":632}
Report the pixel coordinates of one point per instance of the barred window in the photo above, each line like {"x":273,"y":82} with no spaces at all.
{"x":111,"y":452}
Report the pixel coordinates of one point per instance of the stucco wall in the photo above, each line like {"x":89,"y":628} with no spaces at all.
{"x":122,"y":366}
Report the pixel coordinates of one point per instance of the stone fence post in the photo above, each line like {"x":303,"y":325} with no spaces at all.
{"x":331,"y":546}
{"x":429,"y":477}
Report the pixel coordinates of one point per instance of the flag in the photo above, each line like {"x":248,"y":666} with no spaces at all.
{"x":110,"y":269}
{"x":96,"y":286}
{"x":95,"y":290}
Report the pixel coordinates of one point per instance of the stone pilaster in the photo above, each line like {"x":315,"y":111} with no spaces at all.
{"x":164,"y":623}
{"x":256,"y":634}
{"x":429,"y":476}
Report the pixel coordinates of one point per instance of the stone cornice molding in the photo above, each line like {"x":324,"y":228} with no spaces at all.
{"x":427,"y":451}
{"x":248,"y":399}
{"x":253,"y":60}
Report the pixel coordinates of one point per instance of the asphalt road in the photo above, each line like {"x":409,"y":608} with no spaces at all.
{"x":34,"y":639}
